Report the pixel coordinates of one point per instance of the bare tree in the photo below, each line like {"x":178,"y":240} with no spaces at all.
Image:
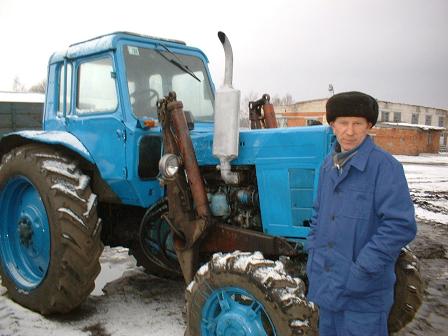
{"x":244,"y":108}
{"x":287,"y":99}
{"x":39,"y":87}
{"x":17,"y":86}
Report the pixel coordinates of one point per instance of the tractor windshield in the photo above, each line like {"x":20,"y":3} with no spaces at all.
{"x":153,"y":73}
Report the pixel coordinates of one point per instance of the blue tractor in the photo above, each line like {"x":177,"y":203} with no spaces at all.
{"x":138,"y":149}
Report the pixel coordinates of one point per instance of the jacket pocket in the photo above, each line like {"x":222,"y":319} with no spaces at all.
{"x":362,"y":282}
{"x":356,"y":204}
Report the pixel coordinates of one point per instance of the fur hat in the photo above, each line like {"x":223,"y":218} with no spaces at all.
{"x":352,"y":104}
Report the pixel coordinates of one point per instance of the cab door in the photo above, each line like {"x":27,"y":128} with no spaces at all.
{"x":96,"y":117}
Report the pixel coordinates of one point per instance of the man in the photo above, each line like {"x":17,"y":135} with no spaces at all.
{"x":363,"y":217}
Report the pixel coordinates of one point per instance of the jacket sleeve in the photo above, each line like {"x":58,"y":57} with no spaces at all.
{"x":395,"y":211}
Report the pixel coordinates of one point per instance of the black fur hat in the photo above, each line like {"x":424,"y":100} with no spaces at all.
{"x":352,"y":104}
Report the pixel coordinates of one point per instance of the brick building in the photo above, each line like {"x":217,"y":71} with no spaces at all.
{"x":407,"y":139}
{"x":401,"y":128}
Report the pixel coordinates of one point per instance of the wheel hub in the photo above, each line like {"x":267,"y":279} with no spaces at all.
{"x":232,"y":324}
{"x":25,"y":239}
{"x":25,"y":229}
{"x":232,"y":311}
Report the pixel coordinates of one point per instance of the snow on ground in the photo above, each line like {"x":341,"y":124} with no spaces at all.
{"x":127,"y":301}
{"x":427,"y":177}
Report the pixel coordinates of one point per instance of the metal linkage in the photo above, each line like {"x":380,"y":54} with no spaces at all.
{"x":265,"y":120}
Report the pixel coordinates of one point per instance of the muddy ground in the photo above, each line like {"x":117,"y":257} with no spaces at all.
{"x":431,"y":246}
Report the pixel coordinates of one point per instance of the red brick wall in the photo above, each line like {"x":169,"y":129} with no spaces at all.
{"x":300,"y":118}
{"x":404,"y":141}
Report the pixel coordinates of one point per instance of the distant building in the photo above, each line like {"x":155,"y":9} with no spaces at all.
{"x":424,"y":122}
{"x":20,"y":110}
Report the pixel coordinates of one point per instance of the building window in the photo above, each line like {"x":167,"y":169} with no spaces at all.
{"x":384,"y":116}
{"x":414,"y":118}
{"x":428,"y":120}
{"x":441,"y":122}
{"x":397,"y":116}
{"x":313,"y":122}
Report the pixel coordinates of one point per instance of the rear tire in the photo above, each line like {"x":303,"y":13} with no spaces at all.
{"x":243,"y":291}
{"x":49,"y":230}
{"x":408,"y":291}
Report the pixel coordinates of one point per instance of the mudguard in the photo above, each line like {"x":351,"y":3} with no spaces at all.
{"x":62,"y":138}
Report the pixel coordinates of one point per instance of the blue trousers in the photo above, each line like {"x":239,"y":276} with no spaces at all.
{"x":348,"y":323}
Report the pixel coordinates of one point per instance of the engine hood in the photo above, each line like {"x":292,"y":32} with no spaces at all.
{"x":256,"y":146}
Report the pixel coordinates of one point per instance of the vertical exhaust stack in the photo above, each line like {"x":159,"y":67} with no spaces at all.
{"x":227,"y":118}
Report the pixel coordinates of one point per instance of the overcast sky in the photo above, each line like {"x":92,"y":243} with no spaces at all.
{"x":396,"y":50}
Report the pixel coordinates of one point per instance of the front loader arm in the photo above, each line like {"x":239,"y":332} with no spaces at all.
{"x":189,"y":214}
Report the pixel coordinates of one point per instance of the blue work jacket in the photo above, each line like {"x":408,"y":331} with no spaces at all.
{"x":363,"y":216}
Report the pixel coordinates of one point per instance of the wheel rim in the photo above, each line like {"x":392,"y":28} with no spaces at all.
{"x":24,"y":233}
{"x":233,"y":311}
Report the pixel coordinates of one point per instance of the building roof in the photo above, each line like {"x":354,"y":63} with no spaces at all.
{"x":407,"y":125}
{"x":379,"y":101}
{"x":21,"y":97}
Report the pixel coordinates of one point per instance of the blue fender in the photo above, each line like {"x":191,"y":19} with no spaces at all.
{"x":65,"y":139}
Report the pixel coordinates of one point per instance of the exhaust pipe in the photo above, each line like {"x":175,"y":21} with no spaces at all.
{"x":227,"y":118}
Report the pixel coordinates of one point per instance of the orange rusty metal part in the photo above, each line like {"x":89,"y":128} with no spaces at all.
{"x":227,"y":238}
{"x":189,"y":159}
{"x":269,"y":116}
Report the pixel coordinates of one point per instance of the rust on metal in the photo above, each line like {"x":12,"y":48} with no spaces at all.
{"x":226,"y":238}
{"x":269,"y":115}
{"x":188,"y":210}
{"x":259,"y":120}
{"x":189,"y":159}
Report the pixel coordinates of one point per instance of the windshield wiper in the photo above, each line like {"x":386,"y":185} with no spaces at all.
{"x":177,"y":62}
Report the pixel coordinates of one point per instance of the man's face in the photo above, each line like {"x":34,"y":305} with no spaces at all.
{"x":350,"y":131}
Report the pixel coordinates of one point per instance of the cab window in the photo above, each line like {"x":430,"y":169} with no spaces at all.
{"x":96,"y":87}
{"x":62,"y":70}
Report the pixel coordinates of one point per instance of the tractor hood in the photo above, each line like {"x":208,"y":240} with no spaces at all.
{"x":257,"y":146}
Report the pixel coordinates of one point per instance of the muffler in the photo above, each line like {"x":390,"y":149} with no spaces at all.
{"x":227,"y":118}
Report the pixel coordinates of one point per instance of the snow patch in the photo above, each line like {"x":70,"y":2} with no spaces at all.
{"x":248,"y":259}
{"x":299,"y":323}
{"x":431,"y":216}
{"x":65,"y":188}
{"x":3,"y":291}
{"x":60,"y":168}
{"x":7,"y":157}
{"x":190,"y":286}
{"x":73,"y":215}
{"x":83,"y":182}
{"x":90,"y":203}
{"x":203,"y":270}
{"x":57,"y":137}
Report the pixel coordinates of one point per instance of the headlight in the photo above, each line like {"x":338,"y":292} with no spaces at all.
{"x":168,"y":165}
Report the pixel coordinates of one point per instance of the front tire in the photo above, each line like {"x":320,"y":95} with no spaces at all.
{"x":49,"y":230}
{"x":244,"y":294}
{"x":153,"y":248}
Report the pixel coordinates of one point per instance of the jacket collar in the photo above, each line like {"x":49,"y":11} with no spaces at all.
{"x":359,"y":161}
